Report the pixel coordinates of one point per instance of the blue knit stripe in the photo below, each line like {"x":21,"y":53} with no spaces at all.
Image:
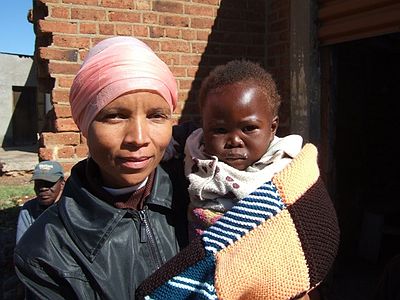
{"x":196,"y":282}
{"x":247,"y":214}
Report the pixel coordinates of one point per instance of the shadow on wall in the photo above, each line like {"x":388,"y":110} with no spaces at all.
{"x":238,"y":32}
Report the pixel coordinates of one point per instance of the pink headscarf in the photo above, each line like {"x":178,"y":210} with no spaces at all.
{"x":113,"y":67}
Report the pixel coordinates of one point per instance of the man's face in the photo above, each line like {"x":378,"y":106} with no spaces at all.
{"x":48,"y":192}
{"x":238,"y":124}
{"x":128,"y":138}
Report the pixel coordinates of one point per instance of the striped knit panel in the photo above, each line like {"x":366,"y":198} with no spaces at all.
{"x":196,"y":282}
{"x":189,"y":256}
{"x":268,"y":263}
{"x":246,"y":215}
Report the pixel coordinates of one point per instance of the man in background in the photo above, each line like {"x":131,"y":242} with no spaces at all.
{"x":48,"y":177}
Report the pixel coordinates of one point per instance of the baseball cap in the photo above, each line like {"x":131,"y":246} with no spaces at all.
{"x":48,"y":170}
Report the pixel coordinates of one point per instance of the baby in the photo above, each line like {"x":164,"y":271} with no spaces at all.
{"x":236,"y":150}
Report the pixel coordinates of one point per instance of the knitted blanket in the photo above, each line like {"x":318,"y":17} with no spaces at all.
{"x":277,"y":243}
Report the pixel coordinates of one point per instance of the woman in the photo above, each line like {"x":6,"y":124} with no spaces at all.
{"x":114,"y":224}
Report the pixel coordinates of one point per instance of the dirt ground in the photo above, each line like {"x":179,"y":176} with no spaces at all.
{"x":15,"y":180}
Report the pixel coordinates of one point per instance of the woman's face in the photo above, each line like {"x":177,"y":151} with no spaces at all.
{"x":128,"y":137}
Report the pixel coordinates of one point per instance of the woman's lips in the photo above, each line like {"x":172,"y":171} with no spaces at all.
{"x":135,"y":162}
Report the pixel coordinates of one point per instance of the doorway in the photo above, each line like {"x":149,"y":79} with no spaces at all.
{"x":24,"y":119}
{"x":366,"y":77}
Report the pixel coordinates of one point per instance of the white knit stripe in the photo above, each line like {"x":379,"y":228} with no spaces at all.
{"x":271,"y":194}
{"x":211,"y":241}
{"x":208,"y":286}
{"x":219,"y":236}
{"x":257,"y":211}
{"x":243,"y":224}
{"x":193,"y":289}
{"x":245,"y":217}
{"x":211,"y":249}
{"x":225,"y":232}
{"x":148,"y":298}
{"x":261,"y":200}
{"x":228,"y":227}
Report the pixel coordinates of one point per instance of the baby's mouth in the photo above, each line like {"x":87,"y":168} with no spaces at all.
{"x":234,"y":155}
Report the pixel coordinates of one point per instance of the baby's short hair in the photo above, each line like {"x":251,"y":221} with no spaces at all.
{"x":241,"y":71}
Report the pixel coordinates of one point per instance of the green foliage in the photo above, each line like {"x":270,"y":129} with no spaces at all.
{"x":13,"y":195}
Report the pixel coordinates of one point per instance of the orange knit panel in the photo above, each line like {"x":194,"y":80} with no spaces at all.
{"x":298,"y":176}
{"x":258,"y":265}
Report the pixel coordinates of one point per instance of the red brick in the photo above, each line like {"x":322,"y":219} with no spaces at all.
{"x":57,"y":26}
{"x":119,"y":16}
{"x":150,"y":18}
{"x":71,"y":41}
{"x":66,"y":152}
{"x":88,"y":28}
{"x":170,"y":58}
{"x":123,"y":29}
{"x":202,"y":23}
{"x":199,"y":48}
{"x":65,"y":124}
{"x":62,"y":111}
{"x":58,"y":54}
{"x":175,"y":46}
{"x":176,"y":21}
{"x":172,"y":32}
{"x":211,"y":2}
{"x":64,"y":138}
{"x":140,"y":31}
{"x":88,"y":14}
{"x":143,"y":4}
{"x":129,"y":4}
{"x":156,"y":32}
{"x":203,"y":35}
{"x":47,"y":153}
{"x":188,"y":34}
{"x":168,"y":6}
{"x":107,"y":29}
{"x":64,"y":81}
{"x":81,"y":150}
{"x":59,"y":12}
{"x":63,"y":68}
{"x":198,"y":10}
{"x":81,"y":2}
{"x":191,"y":59}
{"x":59,"y":95}
{"x":179,"y":71}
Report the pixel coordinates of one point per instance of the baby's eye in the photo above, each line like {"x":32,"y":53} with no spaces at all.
{"x":219,"y":130}
{"x":249,"y":128}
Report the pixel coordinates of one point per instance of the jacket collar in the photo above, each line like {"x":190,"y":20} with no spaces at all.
{"x":89,"y":220}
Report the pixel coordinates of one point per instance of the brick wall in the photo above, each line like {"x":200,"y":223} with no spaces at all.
{"x":190,"y":36}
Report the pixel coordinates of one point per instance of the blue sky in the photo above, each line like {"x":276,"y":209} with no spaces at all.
{"x":16,"y":33}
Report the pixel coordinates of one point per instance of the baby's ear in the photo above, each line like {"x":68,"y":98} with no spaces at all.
{"x":275,"y":124}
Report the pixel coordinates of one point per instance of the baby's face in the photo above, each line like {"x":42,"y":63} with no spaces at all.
{"x":238,"y":125}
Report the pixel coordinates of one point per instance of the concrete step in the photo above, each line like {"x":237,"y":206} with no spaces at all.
{"x":17,"y":161}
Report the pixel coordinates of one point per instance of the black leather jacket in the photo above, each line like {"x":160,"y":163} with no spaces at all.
{"x":84,"y":248}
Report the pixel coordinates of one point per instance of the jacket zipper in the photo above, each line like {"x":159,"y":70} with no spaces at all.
{"x":146,"y":235}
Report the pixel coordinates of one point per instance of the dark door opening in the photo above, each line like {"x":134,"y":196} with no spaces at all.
{"x":24,"y":120}
{"x":367,"y":95}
